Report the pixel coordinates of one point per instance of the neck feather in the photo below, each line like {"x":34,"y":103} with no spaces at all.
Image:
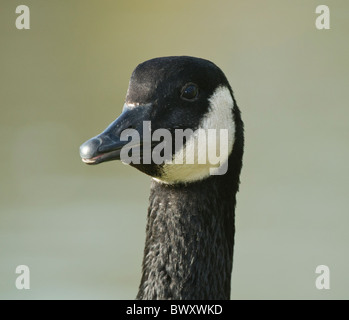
{"x":189,"y":244}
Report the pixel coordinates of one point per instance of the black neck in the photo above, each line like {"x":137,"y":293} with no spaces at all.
{"x":189,"y":244}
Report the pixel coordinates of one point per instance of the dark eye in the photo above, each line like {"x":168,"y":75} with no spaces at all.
{"x":190,"y":91}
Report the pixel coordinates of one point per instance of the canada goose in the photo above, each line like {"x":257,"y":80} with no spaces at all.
{"x":190,"y":225}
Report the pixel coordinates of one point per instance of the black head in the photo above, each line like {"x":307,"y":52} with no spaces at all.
{"x":167,"y":93}
{"x":177,"y":87}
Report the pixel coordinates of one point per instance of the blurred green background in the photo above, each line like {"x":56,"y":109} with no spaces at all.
{"x":81,"y":229}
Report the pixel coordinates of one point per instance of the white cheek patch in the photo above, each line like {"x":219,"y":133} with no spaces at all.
{"x":207,"y":150}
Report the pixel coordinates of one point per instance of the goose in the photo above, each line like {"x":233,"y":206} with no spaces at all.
{"x":191,"y":216}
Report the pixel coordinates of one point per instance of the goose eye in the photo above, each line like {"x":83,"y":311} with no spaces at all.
{"x":190,"y":91}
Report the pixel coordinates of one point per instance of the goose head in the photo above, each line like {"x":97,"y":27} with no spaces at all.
{"x":177,"y":124}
